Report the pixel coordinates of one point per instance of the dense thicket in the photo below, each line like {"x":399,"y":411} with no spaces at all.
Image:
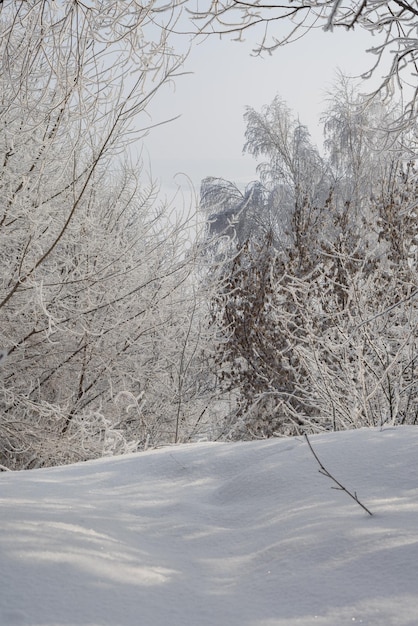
{"x":316,"y":313}
{"x":99,"y":315}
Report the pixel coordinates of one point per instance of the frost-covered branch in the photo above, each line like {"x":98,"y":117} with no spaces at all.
{"x":392,"y":24}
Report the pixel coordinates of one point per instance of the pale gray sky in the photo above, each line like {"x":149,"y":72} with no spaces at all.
{"x":207,"y":139}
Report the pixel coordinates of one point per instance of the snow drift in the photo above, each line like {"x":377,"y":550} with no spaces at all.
{"x":217,"y":534}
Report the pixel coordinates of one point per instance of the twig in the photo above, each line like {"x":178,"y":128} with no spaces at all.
{"x":340,"y":487}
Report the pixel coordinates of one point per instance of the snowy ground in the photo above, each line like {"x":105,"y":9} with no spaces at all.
{"x":245,"y":534}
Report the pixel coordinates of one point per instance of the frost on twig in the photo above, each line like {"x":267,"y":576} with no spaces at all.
{"x":339,"y":486}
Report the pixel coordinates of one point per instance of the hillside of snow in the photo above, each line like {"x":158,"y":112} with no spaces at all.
{"x":217,"y":534}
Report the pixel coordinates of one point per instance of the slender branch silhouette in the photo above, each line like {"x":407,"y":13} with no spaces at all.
{"x":339,"y":486}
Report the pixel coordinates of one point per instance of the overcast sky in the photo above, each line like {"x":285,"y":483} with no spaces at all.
{"x":207,"y":139}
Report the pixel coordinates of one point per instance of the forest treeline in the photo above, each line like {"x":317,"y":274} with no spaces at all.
{"x":285,"y":308}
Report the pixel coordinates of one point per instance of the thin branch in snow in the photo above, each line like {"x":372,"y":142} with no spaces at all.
{"x":339,"y":486}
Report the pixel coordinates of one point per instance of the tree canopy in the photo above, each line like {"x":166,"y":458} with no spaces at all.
{"x":392,"y":23}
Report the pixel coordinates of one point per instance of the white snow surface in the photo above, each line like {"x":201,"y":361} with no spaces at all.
{"x":217,"y":534}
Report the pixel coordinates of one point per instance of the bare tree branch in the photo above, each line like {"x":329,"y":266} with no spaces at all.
{"x":322,"y":470}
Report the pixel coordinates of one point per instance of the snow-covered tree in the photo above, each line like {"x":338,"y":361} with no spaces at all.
{"x":97,"y":299}
{"x":320,"y":333}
